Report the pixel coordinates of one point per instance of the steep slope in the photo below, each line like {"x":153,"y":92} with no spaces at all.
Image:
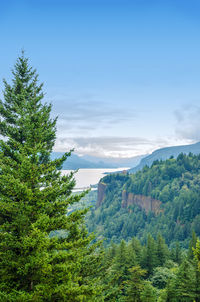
{"x":164,"y":198}
{"x":164,"y":153}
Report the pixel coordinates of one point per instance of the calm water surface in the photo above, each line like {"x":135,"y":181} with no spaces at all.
{"x":86,"y":177}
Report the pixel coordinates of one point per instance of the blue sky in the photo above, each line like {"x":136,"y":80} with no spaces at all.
{"x":123,"y":76}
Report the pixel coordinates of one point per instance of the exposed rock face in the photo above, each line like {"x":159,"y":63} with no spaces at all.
{"x":101,"y":193}
{"x":145,"y":202}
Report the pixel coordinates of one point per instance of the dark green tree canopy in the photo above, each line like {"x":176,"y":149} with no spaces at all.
{"x":34,"y":198}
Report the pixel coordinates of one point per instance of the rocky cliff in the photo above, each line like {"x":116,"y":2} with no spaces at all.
{"x":101,"y":193}
{"x":145,"y":202}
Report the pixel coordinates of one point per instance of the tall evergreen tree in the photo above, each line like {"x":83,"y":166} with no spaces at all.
{"x":149,"y":257}
{"x":197,"y":252}
{"x":192,"y":246}
{"x":161,"y":250}
{"x":135,"y":284}
{"x":186,"y":282}
{"x":34,"y":198}
{"x":149,"y":293}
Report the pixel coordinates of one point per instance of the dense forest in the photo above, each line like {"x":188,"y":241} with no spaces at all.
{"x":175,"y":183}
{"x":150,"y":272}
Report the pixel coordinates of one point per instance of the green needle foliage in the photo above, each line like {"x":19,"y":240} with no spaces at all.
{"x":197,"y":252}
{"x":34,"y":197}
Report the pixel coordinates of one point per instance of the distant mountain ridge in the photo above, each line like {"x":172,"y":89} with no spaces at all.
{"x":165,"y":153}
{"x":91,"y":162}
{"x":75,"y":162}
{"x":118,"y":162}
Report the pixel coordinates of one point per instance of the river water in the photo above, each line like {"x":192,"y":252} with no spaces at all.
{"x":87,"y":177}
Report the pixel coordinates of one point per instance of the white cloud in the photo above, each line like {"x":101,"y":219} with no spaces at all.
{"x":188,"y":123}
{"x":109,"y":146}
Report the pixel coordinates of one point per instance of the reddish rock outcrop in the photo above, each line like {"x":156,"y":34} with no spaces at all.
{"x":145,"y":202}
{"x":101,"y":193}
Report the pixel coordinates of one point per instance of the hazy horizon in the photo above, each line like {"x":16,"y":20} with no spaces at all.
{"x":123,"y":76}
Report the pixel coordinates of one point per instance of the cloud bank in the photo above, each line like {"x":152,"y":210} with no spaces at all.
{"x":188,"y":123}
{"x":109,"y":146}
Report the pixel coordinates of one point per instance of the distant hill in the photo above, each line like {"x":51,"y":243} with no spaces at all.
{"x":76,"y":162}
{"x":165,"y":153}
{"x":117,"y":162}
{"x":91,"y":162}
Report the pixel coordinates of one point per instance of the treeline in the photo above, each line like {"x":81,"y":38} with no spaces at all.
{"x":150,"y":272}
{"x":175,"y":182}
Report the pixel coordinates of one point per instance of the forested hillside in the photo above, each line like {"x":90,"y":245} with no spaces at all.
{"x":164,"y":198}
